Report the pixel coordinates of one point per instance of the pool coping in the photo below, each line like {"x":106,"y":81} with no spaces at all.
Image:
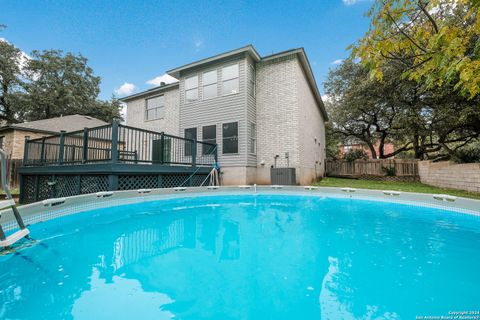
{"x":54,"y":208}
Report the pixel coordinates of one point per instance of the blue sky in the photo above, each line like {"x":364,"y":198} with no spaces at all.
{"x":136,"y":41}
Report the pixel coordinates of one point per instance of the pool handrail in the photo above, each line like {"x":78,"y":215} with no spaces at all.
{"x":10,"y":202}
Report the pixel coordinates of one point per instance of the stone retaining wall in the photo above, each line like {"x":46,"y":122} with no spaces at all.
{"x":450,"y":175}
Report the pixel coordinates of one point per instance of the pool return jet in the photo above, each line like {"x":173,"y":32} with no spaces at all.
{"x":6,"y":242}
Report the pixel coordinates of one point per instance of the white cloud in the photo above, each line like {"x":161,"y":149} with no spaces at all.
{"x":338,"y":61}
{"x":198,"y":43}
{"x":126,"y":88}
{"x":163,"y":78}
{"x":352,"y":2}
{"x":326,"y":98}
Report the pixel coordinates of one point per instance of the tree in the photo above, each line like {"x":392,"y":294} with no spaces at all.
{"x":106,"y":110}
{"x":435,"y":123}
{"x":368,"y":110}
{"x":10,"y":80}
{"x":59,"y":84}
{"x":437,"y":41}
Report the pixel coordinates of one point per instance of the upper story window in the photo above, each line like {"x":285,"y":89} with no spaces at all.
{"x":191,"y":89}
{"x":155,"y":108}
{"x":209,"y":83}
{"x":230,"y":84}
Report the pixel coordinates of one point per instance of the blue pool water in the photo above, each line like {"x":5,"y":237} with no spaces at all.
{"x":246,"y":257}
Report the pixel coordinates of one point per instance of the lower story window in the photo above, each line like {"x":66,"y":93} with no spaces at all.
{"x":190,"y":134}
{"x":209,"y":135}
{"x":230,"y":137}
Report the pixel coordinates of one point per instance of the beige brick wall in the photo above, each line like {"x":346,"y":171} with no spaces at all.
{"x":288,"y":120}
{"x":169,"y":124}
{"x":277,"y":112}
{"x":311,"y":131}
{"x":14,"y":142}
{"x":450,"y":175}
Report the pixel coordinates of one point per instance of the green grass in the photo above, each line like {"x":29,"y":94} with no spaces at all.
{"x":397,"y":186}
{"x":12,"y":190}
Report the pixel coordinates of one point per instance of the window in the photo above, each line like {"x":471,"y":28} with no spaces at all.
{"x":253,"y":138}
{"x":209,"y":134}
{"x":191,"y":134}
{"x":230,"y":80}
{"x":209,"y":82}
{"x":155,"y":108}
{"x":251,"y":81}
{"x":191,"y":89}
{"x":230,"y":137}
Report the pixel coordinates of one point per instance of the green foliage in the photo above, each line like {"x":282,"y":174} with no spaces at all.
{"x":389,"y":171}
{"x":368,"y":110}
{"x":10,"y":80}
{"x":468,"y":155}
{"x":432,"y":122}
{"x":353,"y":155}
{"x":333,"y":141}
{"x":437,"y":41}
{"x":49,"y":84}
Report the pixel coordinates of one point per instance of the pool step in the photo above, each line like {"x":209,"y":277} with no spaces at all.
{"x":6,"y":203}
{"x":11,"y":239}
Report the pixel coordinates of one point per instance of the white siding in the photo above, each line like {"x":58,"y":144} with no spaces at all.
{"x":219,"y":110}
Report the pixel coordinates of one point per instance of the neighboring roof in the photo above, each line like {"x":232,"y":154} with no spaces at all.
{"x":249,"y":49}
{"x":300,"y":52}
{"x":150,"y":91}
{"x":54,"y":125}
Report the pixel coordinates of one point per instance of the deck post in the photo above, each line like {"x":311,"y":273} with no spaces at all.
{"x":162,"y":147}
{"x":194,"y":153}
{"x":25,"y":150}
{"x":85,"y":145}
{"x":114,"y":148}
{"x":42,"y":151}
{"x":62,"y":147}
{"x":112,"y":182}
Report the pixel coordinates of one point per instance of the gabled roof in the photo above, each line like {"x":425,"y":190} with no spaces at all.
{"x":248,"y":49}
{"x":54,"y":125}
{"x":148,"y":92}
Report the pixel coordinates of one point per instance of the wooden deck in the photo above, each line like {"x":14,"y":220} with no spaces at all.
{"x":108,"y":158}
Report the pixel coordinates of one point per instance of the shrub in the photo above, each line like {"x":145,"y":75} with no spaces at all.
{"x":389,"y":171}
{"x":468,"y":155}
{"x":353,"y":155}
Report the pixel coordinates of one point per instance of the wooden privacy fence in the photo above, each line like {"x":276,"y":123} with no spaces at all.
{"x":373,"y":168}
{"x":12,"y":172}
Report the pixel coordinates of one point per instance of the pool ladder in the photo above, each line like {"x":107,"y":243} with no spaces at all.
{"x":6,"y":242}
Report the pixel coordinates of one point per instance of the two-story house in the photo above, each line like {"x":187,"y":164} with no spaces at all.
{"x":261,"y":111}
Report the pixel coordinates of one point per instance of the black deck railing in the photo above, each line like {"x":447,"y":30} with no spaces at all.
{"x":117,"y":143}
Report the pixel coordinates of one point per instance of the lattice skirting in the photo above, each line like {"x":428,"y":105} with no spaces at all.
{"x":40,"y":187}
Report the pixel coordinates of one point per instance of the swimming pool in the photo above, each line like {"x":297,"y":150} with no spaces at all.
{"x":246,"y":256}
